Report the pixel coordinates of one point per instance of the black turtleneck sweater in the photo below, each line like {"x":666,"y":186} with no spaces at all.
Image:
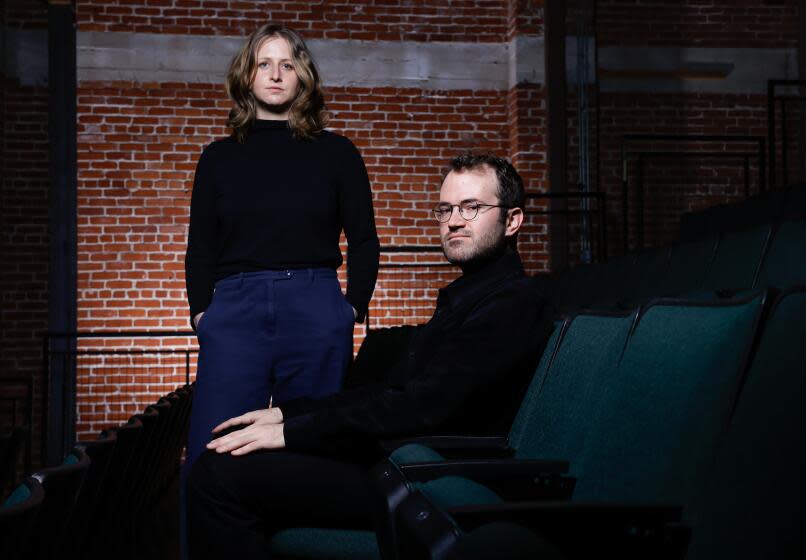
{"x":275,"y":202}
{"x":465,"y":372}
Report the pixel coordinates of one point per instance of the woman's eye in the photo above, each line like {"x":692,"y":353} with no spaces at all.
{"x":288,"y":66}
{"x":263,"y":65}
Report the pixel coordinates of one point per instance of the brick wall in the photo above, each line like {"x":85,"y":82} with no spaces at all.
{"x":368,"y":20}
{"x":742,"y":23}
{"x":675,"y":185}
{"x":24,"y":182}
{"x":138,"y":144}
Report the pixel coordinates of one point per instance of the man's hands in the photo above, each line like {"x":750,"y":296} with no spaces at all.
{"x":264,"y":431}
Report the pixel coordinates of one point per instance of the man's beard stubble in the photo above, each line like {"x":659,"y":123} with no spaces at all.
{"x":484,"y":248}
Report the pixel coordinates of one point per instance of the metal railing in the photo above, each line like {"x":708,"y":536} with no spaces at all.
{"x":774,"y":96}
{"x":101,"y":353}
{"x":17,"y":409}
{"x":642,"y":155}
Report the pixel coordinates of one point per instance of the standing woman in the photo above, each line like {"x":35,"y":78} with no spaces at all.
{"x":268,"y":207}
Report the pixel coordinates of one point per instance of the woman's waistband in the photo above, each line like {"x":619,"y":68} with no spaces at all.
{"x":279,"y":274}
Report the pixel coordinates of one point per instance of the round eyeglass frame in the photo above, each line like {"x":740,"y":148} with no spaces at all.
{"x":464,"y":207}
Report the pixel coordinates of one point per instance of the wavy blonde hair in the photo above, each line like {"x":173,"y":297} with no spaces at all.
{"x":307,"y":116}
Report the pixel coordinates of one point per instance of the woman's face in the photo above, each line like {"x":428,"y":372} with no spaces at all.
{"x":276,"y":82}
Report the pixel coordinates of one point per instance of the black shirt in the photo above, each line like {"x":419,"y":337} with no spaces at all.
{"x":466,"y":371}
{"x":275,"y":202}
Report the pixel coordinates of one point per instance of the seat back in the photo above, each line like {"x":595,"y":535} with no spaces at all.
{"x":738,"y":259}
{"x":658,"y":420}
{"x":154,"y":456}
{"x":62,"y":485}
{"x":752,"y":506}
{"x":17,"y":517}
{"x":100,"y":453}
{"x":520,"y":423}
{"x":106,"y":505}
{"x":588,"y":352}
{"x":646,"y":277}
{"x":689,"y":265}
{"x":784,"y":264}
{"x":614,"y":276}
{"x":12,"y":446}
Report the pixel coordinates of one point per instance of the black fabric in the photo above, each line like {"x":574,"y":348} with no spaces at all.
{"x":234,"y":502}
{"x":465,"y":372}
{"x":380,"y":351}
{"x":275,"y":202}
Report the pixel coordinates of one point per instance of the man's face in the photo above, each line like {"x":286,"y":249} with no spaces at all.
{"x":465,"y":242}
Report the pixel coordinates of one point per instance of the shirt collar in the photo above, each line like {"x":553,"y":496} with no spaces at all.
{"x":473,"y":285}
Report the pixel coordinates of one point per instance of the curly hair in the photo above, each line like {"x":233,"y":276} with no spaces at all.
{"x":307,"y":116}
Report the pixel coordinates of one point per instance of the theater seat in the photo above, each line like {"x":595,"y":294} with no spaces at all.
{"x":738,"y":259}
{"x":656,"y":421}
{"x":752,"y":506}
{"x":17,"y":517}
{"x":785,"y":262}
{"x":62,"y":485}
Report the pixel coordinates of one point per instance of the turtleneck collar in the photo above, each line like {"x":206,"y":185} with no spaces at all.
{"x":260,"y":124}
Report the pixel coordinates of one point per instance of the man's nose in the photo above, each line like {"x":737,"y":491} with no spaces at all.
{"x":456,"y":220}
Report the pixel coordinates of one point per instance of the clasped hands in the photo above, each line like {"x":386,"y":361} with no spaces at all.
{"x":264,"y":430}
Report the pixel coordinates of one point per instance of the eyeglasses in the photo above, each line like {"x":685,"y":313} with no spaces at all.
{"x":468,"y":210}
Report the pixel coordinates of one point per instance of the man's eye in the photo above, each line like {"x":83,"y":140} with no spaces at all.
{"x":472,"y":206}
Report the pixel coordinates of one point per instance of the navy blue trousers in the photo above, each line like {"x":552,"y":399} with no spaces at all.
{"x":270,"y":335}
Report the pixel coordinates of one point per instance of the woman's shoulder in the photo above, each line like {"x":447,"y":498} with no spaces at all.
{"x":218,"y":148}
{"x":336,"y":142}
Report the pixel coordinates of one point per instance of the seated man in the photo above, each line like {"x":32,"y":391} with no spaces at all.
{"x":466,"y":371}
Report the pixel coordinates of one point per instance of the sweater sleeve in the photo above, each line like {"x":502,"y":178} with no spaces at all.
{"x":358,"y":221}
{"x":200,"y":258}
{"x":484,"y":351}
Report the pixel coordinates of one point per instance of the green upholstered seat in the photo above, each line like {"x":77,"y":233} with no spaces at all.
{"x":588,"y":353}
{"x":17,"y":517}
{"x":454,"y":491}
{"x":785,"y":262}
{"x":737,"y":259}
{"x":614,"y":276}
{"x":325,"y":544}
{"x":689,"y":264}
{"x":646,"y":276}
{"x":659,"y":419}
{"x":752,"y":506}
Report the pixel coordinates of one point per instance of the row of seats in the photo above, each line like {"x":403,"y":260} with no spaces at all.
{"x":13,"y":445}
{"x":673,"y":430}
{"x":767,"y":207}
{"x":729,"y":262}
{"x":653,"y":428}
{"x":106,"y":498}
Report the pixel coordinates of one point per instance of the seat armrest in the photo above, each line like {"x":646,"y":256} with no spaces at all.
{"x":483,"y":468}
{"x":455,"y":446}
{"x":511,"y":479}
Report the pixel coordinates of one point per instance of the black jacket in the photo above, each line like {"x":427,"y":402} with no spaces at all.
{"x":466,"y":370}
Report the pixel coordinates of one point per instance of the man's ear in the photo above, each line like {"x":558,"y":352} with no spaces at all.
{"x":514,"y":221}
